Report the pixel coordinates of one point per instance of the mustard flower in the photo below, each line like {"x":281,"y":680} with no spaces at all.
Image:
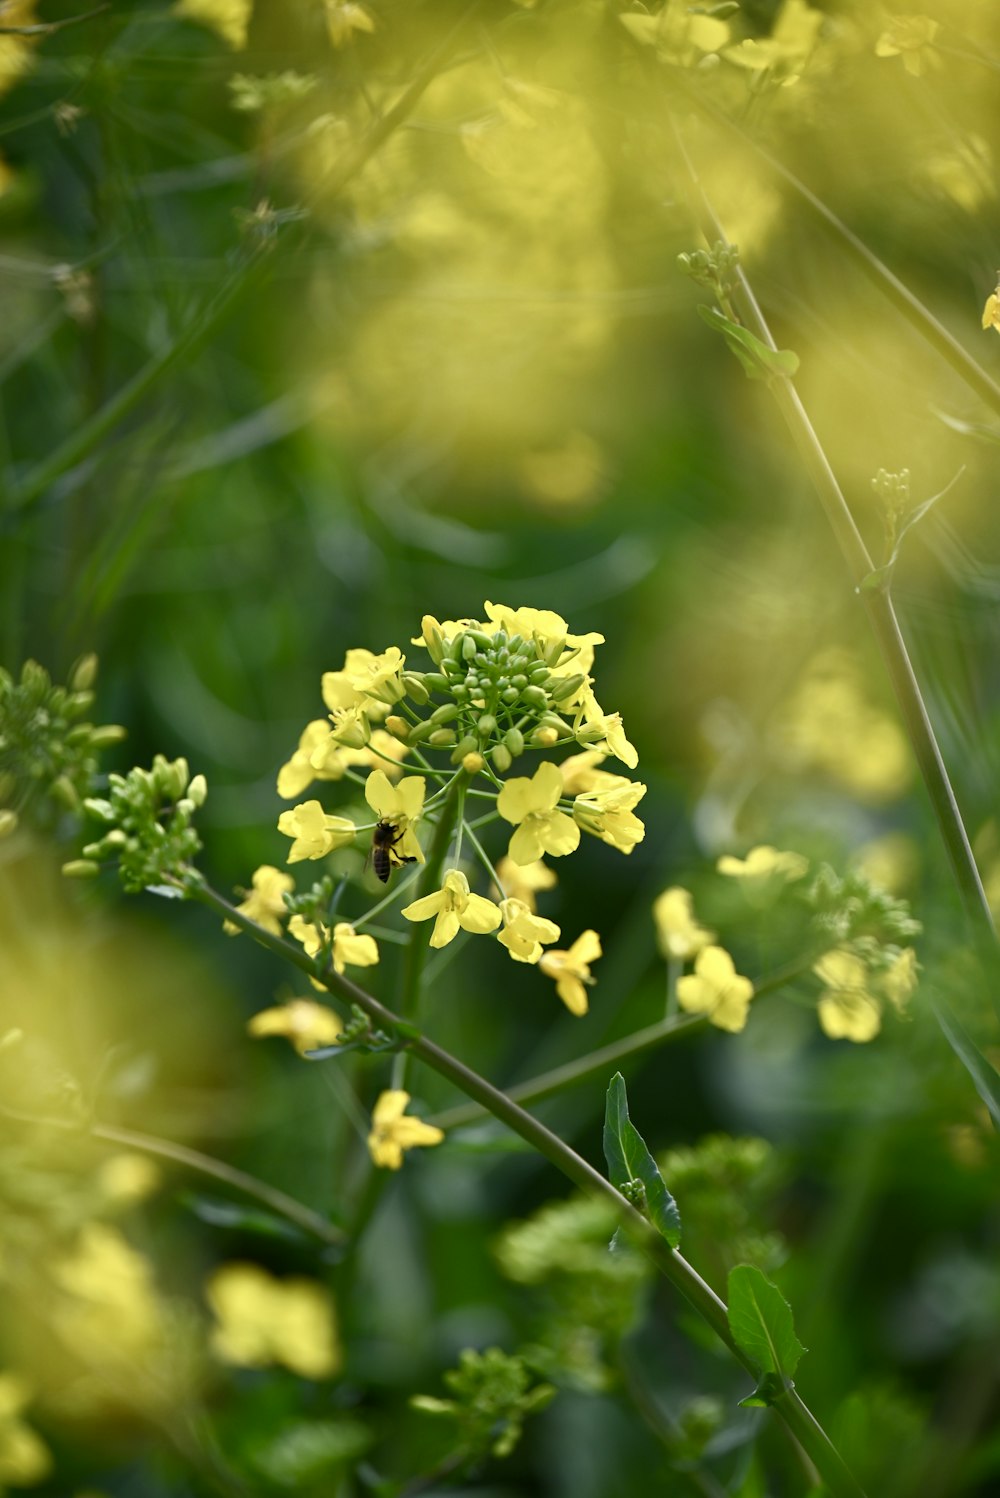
{"x":582,"y":772}
{"x":678,"y":933}
{"x":310,"y":761}
{"x":716,"y":989}
{"x":571,"y":970}
{"x":24,"y":1457}
{"x":523,"y":881}
{"x":401,"y":805}
{"x":393,"y":1131}
{"x":848,"y":1010}
{"x":549,"y":631}
{"x":991,"y":312}
{"x":911,"y":38}
{"x":763,"y":863}
{"x":610,"y":726}
{"x":351,"y":728}
{"x":304,"y":1023}
{"x":454,"y":907}
{"x":524,"y":932}
{"x":365,"y":678}
{"x":899,"y":981}
{"x":315,"y":833}
{"x":344,"y":18}
{"x":264,"y":903}
{"x":347,"y":948}
{"x":261,"y":1320}
{"x":608,"y":814}
{"x":436,"y":634}
{"x":532,"y":807}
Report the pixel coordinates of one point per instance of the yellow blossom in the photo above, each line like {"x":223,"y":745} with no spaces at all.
{"x":991,"y":312}
{"x":24,"y":1457}
{"x":524,"y":933}
{"x":610,"y":725}
{"x":344,"y":18}
{"x":911,"y":38}
{"x":523,"y":881}
{"x":678,"y":933}
{"x":608,"y":814}
{"x":306,"y":1024}
{"x":678,"y":35}
{"x":786,"y":51}
{"x":436,"y":633}
{"x":128,"y":1177}
{"x":716,"y":989}
{"x":351,"y":729}
{"x":17,"y":52}
{"x":314,"y":831}
{"x":393,"y":1131}
{"x":847,"y":1011}
{"x":264,"y":904}
{"x":582,"y":772}
{"x":532,"y":807}
{"x":312,"y":760}
{"x":111,"y":1313}
{"x":764,"y":863}
{"x":347,"y":949}
{"x":550,"y":633}
{"x":571,"y":970}
{"x":401,"y":805}
{"x":261,"y":1320}
{"x":455,"y":907}
{"x":364,"y":680}
{"x":228,"y":18}
{"x":899,"y":981}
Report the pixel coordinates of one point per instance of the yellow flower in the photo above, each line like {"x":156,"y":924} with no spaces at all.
{"x":343,"y":19}
{"x":315,"y":833}
{"x":435,"y":634}
{"x":571,"y":970}
{"x":531,"y":805}
{"x":401,"y":805}
{"x":582,"y":772}
{"x":346,"y":947}
{"x":550,"y":633}
{"x":365,"y":678}
{"x":715,"y":988}
{"x":112,"y":1313}
{"x":264,"y":903}
{"x":763,"y":863}
{"x":899,"y":981}
{"x":24,"y":1458}
{"x":786,"y":51}
{"x":991,"y":312}
{"x":524,"y":932}
{"x":610,"y":725}
{"x":454,"y":906}
{"x":351,"y":729}
{"x":228,"y":18}
{"x":393,"y":1132}
{"x":523,"y":881}
{"x":678,"y":933}
{"x":312,"y":760}
{"x":306,"y":1024}
{"x":608,"y":814}
{"x":262,"y":1320}
{"x":912,"y":39}
{"x":128,"y":1177}
{"x":847,"y":1011}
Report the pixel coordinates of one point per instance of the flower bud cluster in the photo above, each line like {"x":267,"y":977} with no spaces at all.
{"x":715,"y":269}
{"x":147,"y":816}
{"x":48,"y":749}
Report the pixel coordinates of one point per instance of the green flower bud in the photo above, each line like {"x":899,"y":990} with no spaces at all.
{"x":514,"y":741}
{"x":468,"y":648}
{"x":413,"y":685}
{"x":539,"y":674}
{"x":65,"y":793}
{"x":197,"y":790}
{"x":435,"y":681}
{"x":78,"y":703}
{"x":80,"y":868}
{"x":8,"y":822}
{"x":480,"y":640}
{"x":418,"y":731}
{"x":487,"y":725}
{"x":565,"y":686}
{"x":553,"y":720}
{"x":106,"y":735}
{"x":441,"y":738}
{"x":34,"y":675}
{"x":84,"y":673}
{"x":510,"y":696}
{"x":465,"y":746}
{"x":98,"y":807}
{"x":520,"y":681}
{"x":535,"y":697}
{"x":398,"y":727}
{"x":501,"y":758}
{"x":445,"y":713}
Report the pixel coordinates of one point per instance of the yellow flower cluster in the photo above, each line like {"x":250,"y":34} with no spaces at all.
{"x":851,"y":1005}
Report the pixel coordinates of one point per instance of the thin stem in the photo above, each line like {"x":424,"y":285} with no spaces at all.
{"x":484,"y":859}
{"x":671,"y":1264}
{"x":878,"y":604}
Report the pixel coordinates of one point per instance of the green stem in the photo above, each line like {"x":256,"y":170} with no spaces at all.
{"x":611,"y":1057}
{"x":881,"y":614}
{"x":670,"y":1263}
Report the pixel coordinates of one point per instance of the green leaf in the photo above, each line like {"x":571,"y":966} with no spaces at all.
{"x":985,"y":1078}
{"x":759,"y":360}
{"x":629,"y":1160}
{"x":760,"y":1320}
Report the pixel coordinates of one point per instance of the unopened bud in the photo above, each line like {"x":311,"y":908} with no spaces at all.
{"x":468,"y":745}
{"x":562,"y":687}
{"x":487,"y":725}
{"x":65,"y":793}
{"x":545,"y":738}
{"x":441,"y":738}
{"x":535,"y":697}
{"x":84,"y":673}
{"x":80,"y":868}
{"x":433,"y":638}
{"x":8,"y":822}
{"x":445,"y":713}
{"x":472,"y":762}
{"x":469,"y":648}
{"x":398,"y":727}
{"x":413,"y":685}
{"x":106,"y":735}
{"x":434,"y":681}
{"x":501,"y":758}
{"x":197,"y":790}
{"x":514,"y":741}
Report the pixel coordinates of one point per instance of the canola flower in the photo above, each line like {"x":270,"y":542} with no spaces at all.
{"x":716,"y":989}
{"x":393,"y":1130}
{"x":679,"y":935}
{"x":851,"y":1006}
{"x":265,"y":902}
{"x":261,"y":1320}
{"x":304,"y":1023}
{"x":571,"y":970}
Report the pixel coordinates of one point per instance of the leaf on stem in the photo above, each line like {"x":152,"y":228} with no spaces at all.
{"x":985,"y":1077}
{"x":629,"y":1161}
{"x":759,"y":360}
{"x":762,"y":1325}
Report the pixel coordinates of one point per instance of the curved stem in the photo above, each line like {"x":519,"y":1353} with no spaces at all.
{"x":668,"y":1261}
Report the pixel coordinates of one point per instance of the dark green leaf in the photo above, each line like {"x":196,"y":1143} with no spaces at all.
{"x":985,"y":1078}
{"x":760,"y":1320}
{"x":629,"y":1160}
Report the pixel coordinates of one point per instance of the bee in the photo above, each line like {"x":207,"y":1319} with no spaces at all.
{"x":383,"y":852}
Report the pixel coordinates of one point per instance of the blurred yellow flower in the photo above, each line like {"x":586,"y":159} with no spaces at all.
{"x":678,"y":933}
{"x":128,"y":1177}
{"x":571,"y":473}
{"x":890,"y":861}
{"x":264,"y":903}
{"x":848,"y":1010}
{"x":524,"y":933}
{"x":314,"y":832}
{"x":911,"y":38}
{"x":787,"y":50}
{"x":228,"y":18}
{"x":402,"y":805}
{"x":678,"y":35}
{"x":523,"y":881}
{"x":16,"y":52}
{"x":343,"y":19}
{"x":262,"y":1320}
{"x":24,"y":1457}
{"x":531,"y":805}
{"x":571,"y":970}
{"x":829,"y":725}
{"x":110,"y":1313}
{"x":899,"y":981}
{"x":393,"y":1131}
{"x":991,"y":312}
{"x":716,"y":989}
{"x":764,"y":863}
{"x":303,"y":1022}
{"x":454,"y":907}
